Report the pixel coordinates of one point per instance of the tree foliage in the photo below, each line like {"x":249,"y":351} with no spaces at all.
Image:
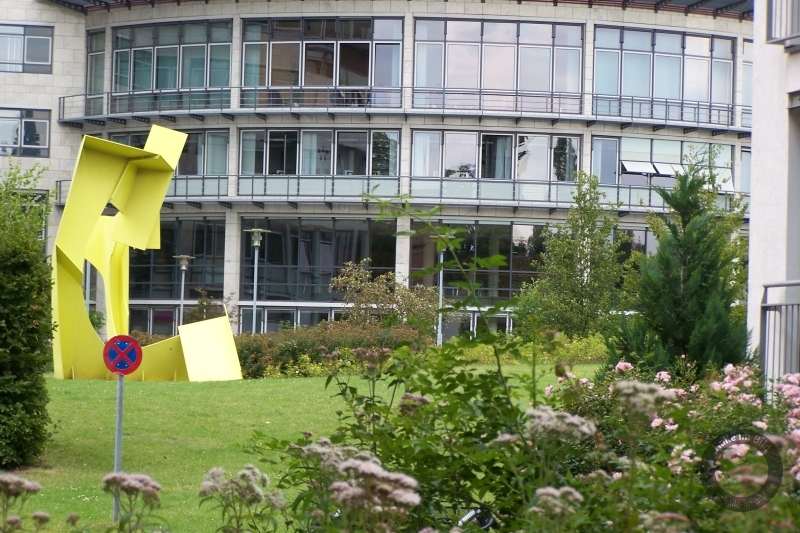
{"x":686,"y":296}
{"x":383,"y":299}
{"x":581,"y":271}
{"x":25,"y":317}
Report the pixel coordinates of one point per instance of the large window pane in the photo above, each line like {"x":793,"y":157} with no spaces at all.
{"x":354,"y":64}
{"x":670,"y":43}
{"x":355,"y":29}
{"x":747,"y":84}
{"x":635,"y":149}
{"x":498,"y":67}
{"x":721,"y":82}
{"x":387,"y":65}
{"x":167,"y":68}
{"x":667,"y":78}
{"x":567,"y":75}
{"x":536,"y":34}
{"x":255,"y":65}
{"x":499,"y":32}
{"x":191,"y":160}
{"x":460,"y":154}
{"x":635,"y":74}
{"x":606,"y":72}
{"x":385,"y":149}
{"x":565,"y":158}
{"x":285,"y":63}
{"x":316,"y":153}
{"x":606,"y":38}
{"x":568,"y":35}
{"x":462,"y":65}
{"x":217,"y":153}
{"x":11,"y":48}
{"x":351,"y":153}
{"x":122,"y":67}
{"x":282,"y":157}
{"x":428,"y":65}
{"x":496,"y":157}
{"x":604,"y":160}
{"x":532,"y":157}
{"x":94,"y":83}
{"x":219,"y":68}
{"x":534,"y":68}
{"x":427,"y":154}
{"x":252,"y":152}
{"x":698,"y":46}
{"x":666,"y":151}
{"x":462,"y":30}
{"x":9,"y":132}
{"x":695,"y":79}
{"x":429,"y":30}
{"x":193,"y":66}
{"x":744,"y":179}
{"x":142,"y":70}
{"x":637,"y":40}
{"x":318,"y":69}
{"x":391,"y":29}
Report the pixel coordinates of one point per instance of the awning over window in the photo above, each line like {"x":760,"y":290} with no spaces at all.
{"x":638,"y":167}
{"x":668,"y":169}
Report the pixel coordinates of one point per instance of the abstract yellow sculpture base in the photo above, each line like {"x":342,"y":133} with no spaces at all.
{"x":134,"y":181}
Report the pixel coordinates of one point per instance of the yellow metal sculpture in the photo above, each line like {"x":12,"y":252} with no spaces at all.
{"x":134,"y":181}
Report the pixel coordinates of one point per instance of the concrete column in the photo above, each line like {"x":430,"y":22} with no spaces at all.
{"x":402,"y":264}
{"x":233,"y":254}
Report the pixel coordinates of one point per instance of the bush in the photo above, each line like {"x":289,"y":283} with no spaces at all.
{"x":575,"y":351}
{"x":25,"y":319}
{"x":145,"y":338}
{"x":290,"y":351}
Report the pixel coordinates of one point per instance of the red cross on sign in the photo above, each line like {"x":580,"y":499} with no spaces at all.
{"x":122,"y":355}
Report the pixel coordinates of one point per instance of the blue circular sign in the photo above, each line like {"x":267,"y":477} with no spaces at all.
{"x":122,"y":355}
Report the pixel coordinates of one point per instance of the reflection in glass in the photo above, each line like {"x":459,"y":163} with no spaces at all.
{"x":387,"y":65}
{"x":285,"y":63}
{"x":721,"y":77}
{"x":355,"y":29}
{"x":286,"y":29}
{"x":217,"y":153}
{"x":462,"y":30}
{"x":463,"y":65}
{"x":747,"y":84}
{"x":168,"y":34}
{"x":604,"y":160}
{"x":499,"y":32}
{"x":193,"y":66}
{"x":635,"y":149}
{"x":320,"y":29}
{"x":536,"y":34}
{"x":316,"y":153}
{"x":606,"y":72}
{"x":167,"y":68}
{"x":606,"y":38}
{"x":695,"y":79}
{"x":351,"y":153}
{"x":252,"y":152}
{"x":9,"y":132}
{"x":191,"y":160}
{"x":637,"y":40}
{"x":427,"y":154}
{"x":122,"y":66}
{"x":194,"y":33}
{"x":498,"y":67}
{"x":565,"y":158}
{"x":669,"y":43}
{"x":255,"y":65}
{"x":698,"y":46}
{"x":567,"y":76}
{"x":532,"y":156}
{"x":219,"y":67}
{"x":142,"y":70}
{"x":385,"y":149}
{"x":723,"y":48}
{"x":667,"y":77}
{"x":635,"y":74}
{"x":460,"y":154}
{"x":744,"y":180}
{"x":429,"y":65}
{"x":496,"y":157}
{"x":95,"y":77}
{"x":666,"y":151}
{"x":318,"y":68}
{"x":534,"y":68}
{"x":354,"y":64}
{"x":282,"y":153}
{"x":388,"y":29}
{"x":430,"y":30}
{"x":568,"y":35}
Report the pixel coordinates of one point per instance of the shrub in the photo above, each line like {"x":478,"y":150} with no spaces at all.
{"x":289,"y":350}
{"x":25,"y":318}
{"x":145,"y":338}
{"x":575,"y":351}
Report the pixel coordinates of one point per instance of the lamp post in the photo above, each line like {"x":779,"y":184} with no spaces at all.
{"x":183,"y":260}
{"x":439,"y":333}
{"x":257,"y":234}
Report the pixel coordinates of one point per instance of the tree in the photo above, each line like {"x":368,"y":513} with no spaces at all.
{"x":581,"y":271}
{"x":383,"y":300}
{"x":686,"y":296}
{"x":25,"y":317}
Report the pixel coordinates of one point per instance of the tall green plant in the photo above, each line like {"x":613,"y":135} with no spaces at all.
{"x":688,"y":290}
{"x":25,"y":319}
{"x":579,"y":288}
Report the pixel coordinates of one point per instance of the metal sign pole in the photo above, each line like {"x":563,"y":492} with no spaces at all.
{"x":118,"y":440}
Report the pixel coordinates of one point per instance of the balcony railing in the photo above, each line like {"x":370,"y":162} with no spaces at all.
{"x":783,"y":21}
{"x":179,"y":187}
{"x":229,"y":101}
{"x":317,"y":188}
{"x":780,"y":329}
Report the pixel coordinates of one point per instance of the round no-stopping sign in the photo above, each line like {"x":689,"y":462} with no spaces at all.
{"x":122,"y":355}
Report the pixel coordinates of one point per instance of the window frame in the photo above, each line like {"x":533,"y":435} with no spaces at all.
{"x":26,"y":33}
{"x":21,"y":149}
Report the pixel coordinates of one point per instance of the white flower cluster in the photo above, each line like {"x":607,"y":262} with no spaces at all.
{"x":327,"y":456}
{"x":133,"y":485}
{"x":682,"y":458}
{"x":247,"y":486}
{"x":544,"y":420}
{"x":655,"y":522}
{"x":643,"y":398}
{"x":553,"y":502}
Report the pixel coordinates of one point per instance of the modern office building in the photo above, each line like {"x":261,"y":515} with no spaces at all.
{"x":295,"y":108}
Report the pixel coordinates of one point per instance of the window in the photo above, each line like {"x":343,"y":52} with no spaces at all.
{"x":499,"y":57}
{"x":24,"y":133}
{"x":357,"y":152}
{"x":747,"y":73}
{"x":322,"y":52}
{"x":744,"y":174}
{"x":26,"y":49}
{"x":494,"y":156}
{"x":604,"y":159}
{"x":155,"y":274}
{"x":152,"y":56}
{"x":299,"y":257}
{"x":641,"y":65}
{"x":137,"y":140}
{"x":204,"y":154}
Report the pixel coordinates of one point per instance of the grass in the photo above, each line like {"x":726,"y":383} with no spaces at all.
{"x":174,"y":432}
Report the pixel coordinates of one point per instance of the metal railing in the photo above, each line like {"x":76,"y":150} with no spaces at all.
{"x":317,"y":188}
{"x":179,"y":187}
{"x":780,"y":330}
{"x":783,"y":20}
{"x":407,"y":100}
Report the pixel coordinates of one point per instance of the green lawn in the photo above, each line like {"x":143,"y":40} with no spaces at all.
{"x":174,"y":432}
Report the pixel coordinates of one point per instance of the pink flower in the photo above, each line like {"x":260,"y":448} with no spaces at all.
{"x":548,"y":391}
{"x":683,"y":356}
{"x":583,"y":381}
{"x":760,"y":425}
{"x":671,"y":427}
{"x":663,"y":376}
{"x":623,"y":366}
{"x":656,"y":422}
{"x":616,"y":475}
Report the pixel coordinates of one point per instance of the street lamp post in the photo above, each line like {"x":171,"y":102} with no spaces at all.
{"x":184,"y":263}
{"x":441,"y":298}
{"x":257,"y":234}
